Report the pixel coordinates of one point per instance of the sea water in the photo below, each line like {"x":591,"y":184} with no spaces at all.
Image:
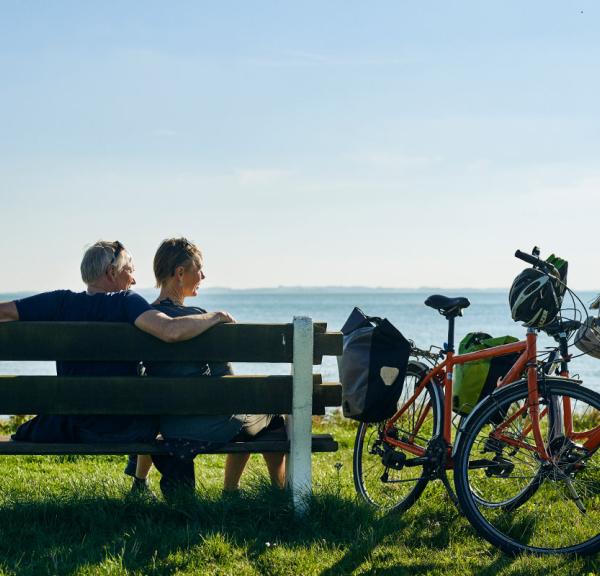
{"x":489,"y":312}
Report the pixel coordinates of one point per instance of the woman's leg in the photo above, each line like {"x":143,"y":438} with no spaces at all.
{"x":275,"y":462}
{"x":144,"y":463}
{"x":234,"y":466}
{"x":255,"y":425}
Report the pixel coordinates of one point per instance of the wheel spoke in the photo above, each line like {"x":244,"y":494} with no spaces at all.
{"x":403,"y":484}
{"x":538,"y":506}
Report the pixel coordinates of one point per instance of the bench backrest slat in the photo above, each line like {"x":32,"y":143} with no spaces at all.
{"x":181,"y":396}
{"x":108,"y":341}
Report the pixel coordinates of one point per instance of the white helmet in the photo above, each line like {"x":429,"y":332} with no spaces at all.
{"x":535,"y":298}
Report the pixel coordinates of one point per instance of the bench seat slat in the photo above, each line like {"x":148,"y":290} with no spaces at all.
{"x":137,"y":396}
{"x":320,"y":443}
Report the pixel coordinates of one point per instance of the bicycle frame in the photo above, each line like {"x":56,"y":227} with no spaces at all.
{"x":527,"y":350}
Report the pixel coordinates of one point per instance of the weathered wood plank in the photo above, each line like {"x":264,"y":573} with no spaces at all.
{"x":122,"y":395}
{"x":320,"y":443}
{"x":319,"y":328}
{"x":328,"y":344}
{"x":112,"y":341}
{"x":326,"y":395}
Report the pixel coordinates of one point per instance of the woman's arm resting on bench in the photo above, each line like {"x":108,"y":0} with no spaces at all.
{"x":8,"y":311}
{"x":177,"y":329}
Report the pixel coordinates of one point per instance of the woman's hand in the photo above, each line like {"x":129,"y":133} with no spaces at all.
{"x":221,"y":317}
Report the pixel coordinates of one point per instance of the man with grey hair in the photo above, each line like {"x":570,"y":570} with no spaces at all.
{"x":107,"y":269}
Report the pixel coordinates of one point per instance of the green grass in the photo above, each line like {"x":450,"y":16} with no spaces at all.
{"x":71,"y":515}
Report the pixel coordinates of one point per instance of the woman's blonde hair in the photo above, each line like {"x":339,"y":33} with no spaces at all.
{"x":171,"y":254}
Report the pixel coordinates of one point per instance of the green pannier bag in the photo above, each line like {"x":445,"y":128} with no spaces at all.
{"x":474,"y":380}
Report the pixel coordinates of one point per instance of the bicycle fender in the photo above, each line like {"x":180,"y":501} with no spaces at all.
{"x":420,"y":366}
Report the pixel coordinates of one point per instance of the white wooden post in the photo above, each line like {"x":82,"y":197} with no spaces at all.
{"x":299,"y":423}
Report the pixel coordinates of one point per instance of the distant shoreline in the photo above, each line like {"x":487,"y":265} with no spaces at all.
{"x":294,"y":289}
{"x":12,"y":295}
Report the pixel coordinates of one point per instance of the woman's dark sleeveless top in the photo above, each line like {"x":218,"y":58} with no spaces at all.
{"x":196,"y":428}
{"x":182,"y":369}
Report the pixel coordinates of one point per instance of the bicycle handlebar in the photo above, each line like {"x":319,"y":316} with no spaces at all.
{"x":535,"y":261}
{"x":559,"y":326}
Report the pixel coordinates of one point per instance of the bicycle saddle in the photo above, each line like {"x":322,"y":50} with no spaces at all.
{"x":449,"y":307}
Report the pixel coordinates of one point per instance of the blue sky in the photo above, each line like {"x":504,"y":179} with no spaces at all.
{"x":309,"y":143}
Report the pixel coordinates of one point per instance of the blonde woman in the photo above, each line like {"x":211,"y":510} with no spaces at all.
{"x":178,"y":268}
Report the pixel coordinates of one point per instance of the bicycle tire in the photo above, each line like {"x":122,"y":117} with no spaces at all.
{"x":549,"y":520}
{"x":401,"y":488}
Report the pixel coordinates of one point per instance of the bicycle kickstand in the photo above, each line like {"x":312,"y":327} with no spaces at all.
{"x":446,"y":483}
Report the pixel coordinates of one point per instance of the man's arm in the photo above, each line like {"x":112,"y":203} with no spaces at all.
{"x":182,"y":328}
{"x":8,"y":311}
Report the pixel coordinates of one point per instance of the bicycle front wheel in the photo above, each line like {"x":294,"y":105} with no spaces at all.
{"x":556,"y":503}
{"x":386,"y":476}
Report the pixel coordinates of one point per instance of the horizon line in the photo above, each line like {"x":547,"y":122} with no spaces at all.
{"x":330,"y":288}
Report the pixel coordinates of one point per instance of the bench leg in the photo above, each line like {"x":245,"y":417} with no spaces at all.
{"x":299,"y":423}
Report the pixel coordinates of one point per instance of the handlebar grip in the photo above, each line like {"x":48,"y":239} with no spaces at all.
{"x":541,"y":264}
{"x":529,"y":259}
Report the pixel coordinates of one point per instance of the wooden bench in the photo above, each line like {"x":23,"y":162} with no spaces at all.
{"x":300,"y":395}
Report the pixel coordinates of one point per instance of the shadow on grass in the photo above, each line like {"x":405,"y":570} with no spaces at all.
{"x":68,"y":533}
{"x":81,"y":531}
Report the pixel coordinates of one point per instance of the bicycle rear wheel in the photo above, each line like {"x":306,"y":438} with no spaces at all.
{"x":385,"y":476}
{"x":548,"y":507}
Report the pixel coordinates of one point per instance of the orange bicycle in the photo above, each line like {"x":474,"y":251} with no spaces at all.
{"x":525,"y":461}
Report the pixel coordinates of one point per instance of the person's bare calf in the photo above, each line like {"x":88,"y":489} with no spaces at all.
{"x":235,"y":464}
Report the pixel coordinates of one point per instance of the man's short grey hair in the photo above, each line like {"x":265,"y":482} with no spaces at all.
{"x":99,"y":256}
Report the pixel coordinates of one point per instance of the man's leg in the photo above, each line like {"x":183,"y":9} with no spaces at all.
{"x":131,"y":466}
{"x":177,"y":476}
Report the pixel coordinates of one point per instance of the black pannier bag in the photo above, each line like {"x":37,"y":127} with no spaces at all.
{"x":372,"y":367}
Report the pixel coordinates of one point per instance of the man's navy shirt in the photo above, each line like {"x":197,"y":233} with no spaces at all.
{"x":67,"y":306}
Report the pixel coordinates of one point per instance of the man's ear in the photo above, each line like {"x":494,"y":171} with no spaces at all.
{"x":111,"y":273}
